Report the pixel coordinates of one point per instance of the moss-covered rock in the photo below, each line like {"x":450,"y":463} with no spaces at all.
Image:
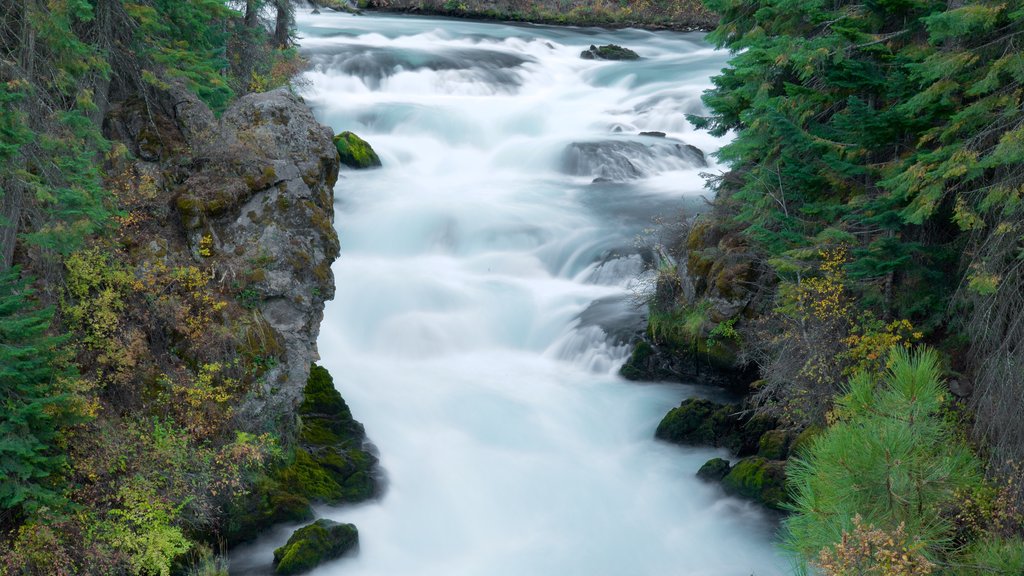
{"x":609,"y":52}
{"x":313,"y":545}
{"x":804,"y":439}
{"x":758,"y":479}
{"x":774,"y":444}
{"x":696,"y":421}
{"x":701,"y":422}
{"x":330,"y":464}
{"x":355,"y":152}
{"x":713,"y":470}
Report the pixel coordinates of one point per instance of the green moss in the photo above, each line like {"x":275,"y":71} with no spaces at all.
{"x":305,"y":476}
{"x":313,"y":545}
{"x":758,"y":479}
{"x":695,"y":421}
{"x":713,"y":470}
{"x":320,"y":397}
{"x":355,"y":152}
{"x":774,"y":445}
{"x":636,"y":368}
{"x":317,"y":432}
{"x":803,"y":440}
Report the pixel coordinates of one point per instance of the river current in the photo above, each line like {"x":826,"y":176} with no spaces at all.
{"x":490,"y":274}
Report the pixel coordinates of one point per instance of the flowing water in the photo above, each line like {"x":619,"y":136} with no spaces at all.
{"x":487,"y":285}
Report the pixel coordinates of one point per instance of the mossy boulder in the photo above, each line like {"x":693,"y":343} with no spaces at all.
{"x":804,"y":439}
{"x":696,"y":421}
{"x":330,"y":464}
{"x":609,"y":52}
{"x":758,"y":479}
{"x":355,"y":152}
{"x":313,"y":545}
{"x":701,"y":422}
{"x":775,"y":444}
{"x":713,"y":470}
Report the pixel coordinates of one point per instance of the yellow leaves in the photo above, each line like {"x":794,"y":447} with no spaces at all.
{"x":870,"y":551}
{"x":869,"y":342}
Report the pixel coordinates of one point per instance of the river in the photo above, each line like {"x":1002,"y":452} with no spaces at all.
{"x":489,"y":275}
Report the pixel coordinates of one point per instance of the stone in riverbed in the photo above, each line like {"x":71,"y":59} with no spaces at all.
{"x":313,"y":545}
{"x":355,"y":152}
{"x":713,"y":470}
{"x":758,"y":479}
{"x":609,"y":52}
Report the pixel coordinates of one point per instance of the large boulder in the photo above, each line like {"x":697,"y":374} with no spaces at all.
{"x":334,"y":463}
{"x":355,"y":152}
{"x":701,"y":422}
{"x":257,"y":205}
{"x":313,"y":545}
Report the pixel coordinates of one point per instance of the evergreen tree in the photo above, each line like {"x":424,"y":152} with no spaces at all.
{"x":891,"y":459}
{"x":32,"y":406}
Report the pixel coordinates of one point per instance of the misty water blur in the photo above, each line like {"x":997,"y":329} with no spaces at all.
{"x":486,"y":290}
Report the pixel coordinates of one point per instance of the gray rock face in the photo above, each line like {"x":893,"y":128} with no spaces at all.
{"x":257,"y":205}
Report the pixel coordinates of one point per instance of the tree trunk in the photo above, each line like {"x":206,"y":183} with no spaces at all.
{"x":283,"y":25}
{"x":252,"y":13}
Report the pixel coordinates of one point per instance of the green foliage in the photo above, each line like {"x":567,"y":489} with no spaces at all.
{"x":890,"y":458}
{"x":185,"y":39}
{"x":142,"y":526}
{"x":33,"y":405}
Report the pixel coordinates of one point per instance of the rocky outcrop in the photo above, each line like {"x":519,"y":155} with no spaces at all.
{"x":257,"y":208}
{"x":313,"y":545}
{"x":333,"y":463}
{"x":609,"y":52}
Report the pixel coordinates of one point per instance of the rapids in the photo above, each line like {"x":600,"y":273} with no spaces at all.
{"x":487,"y":286}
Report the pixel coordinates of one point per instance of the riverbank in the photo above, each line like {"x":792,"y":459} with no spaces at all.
{"x":676,"y":15}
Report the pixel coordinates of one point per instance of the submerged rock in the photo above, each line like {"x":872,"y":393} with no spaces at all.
{"x":313,"y":545}
{"x":619,"y":160}
{"x":355,"y":152}
{"x":609,"y":52}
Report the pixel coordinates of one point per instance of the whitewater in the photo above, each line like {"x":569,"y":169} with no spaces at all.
{"x":491,"y":275}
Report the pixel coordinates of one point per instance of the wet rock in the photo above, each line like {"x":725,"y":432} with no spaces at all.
{"x":312,"y":545}
{"x":701,"y":422}
{"x":609,"y":52}
{"x":713,"y":470}
{"x":334,"y":463}
{"x":653,"y":134}
{"x":758,"y":479}
{"x":619,"y":160}
{"x":355,"y":152}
